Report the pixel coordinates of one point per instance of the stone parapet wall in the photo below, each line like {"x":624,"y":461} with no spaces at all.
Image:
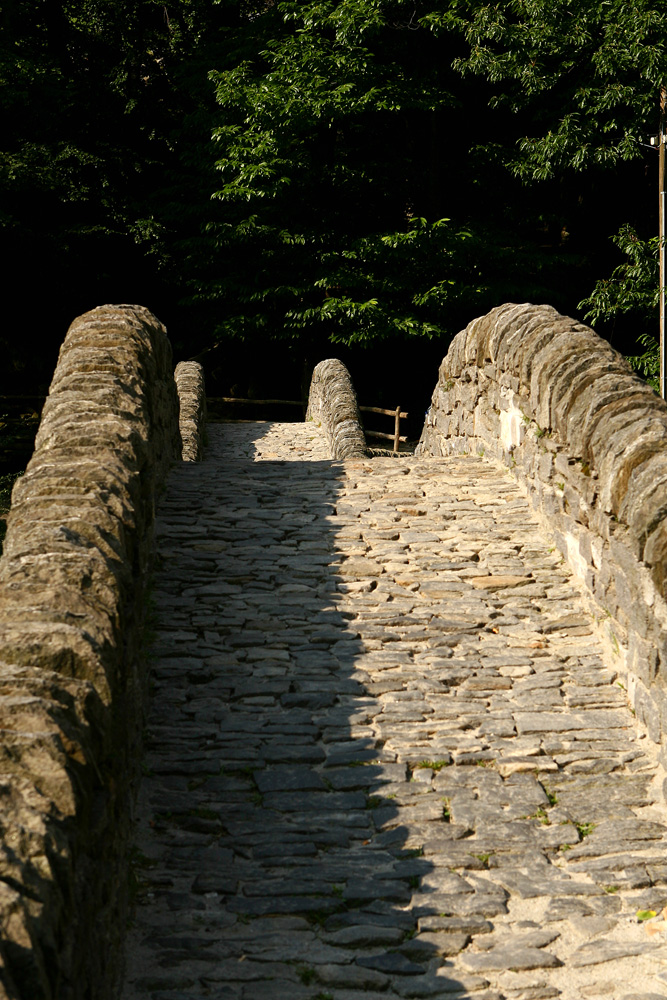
{"x":587,"y":438}
{"x":332,"y":403}
{"x":189,"y":376}
{"x":73,"y":589}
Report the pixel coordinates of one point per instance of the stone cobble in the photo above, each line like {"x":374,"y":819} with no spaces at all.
{"x":385,"y":758}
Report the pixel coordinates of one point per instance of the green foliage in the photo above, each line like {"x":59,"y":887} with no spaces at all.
{"x":581,"y":79}
{"x":317,"y":230}
{"x":334,"y":165}
{"x":634,"y":289}
{"x":98,"y":100}
{"x":323,"y":171}
{"x":587,"y":71}
{"x":633,"y":286}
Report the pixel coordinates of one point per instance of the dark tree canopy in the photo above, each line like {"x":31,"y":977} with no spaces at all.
{"x":341,"y":170}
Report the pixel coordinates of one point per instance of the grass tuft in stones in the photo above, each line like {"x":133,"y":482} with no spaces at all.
{"x":541,"y":815}
{"x":484,"y":858}
{"x":434,"y":765}
{"x":306,"y":974}
{"x":412,"y":852}
{"x":551,"y":796}
{"x":202,"y":813}
{"x":584,"y":829}
{"x":611,"y":889}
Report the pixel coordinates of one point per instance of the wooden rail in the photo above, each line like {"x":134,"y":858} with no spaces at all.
{"x":22,"y":398}
{"x":256,"y":402}
{"x":397,"y":414}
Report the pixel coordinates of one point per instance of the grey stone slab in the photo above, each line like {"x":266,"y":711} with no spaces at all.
{"x":538,"y":938}
{"x":641,"y":995}
{"x":431,"y":943}
{"x":547,"y":722}
{"x":346,"y":758}
{"x":391,"y":963}
{"x":260,"y":906}
{"x":281,"y":779}
{"x":568,"y":907}
{"x":274,"y":887}
{"x":454,"y":925}
{"x":280,"y":853}
{"x":510,"y":957}
{"x":360,"y":890}
{"x":231,"y":972}
{"x":387,"y":916}
{"x":550,"y":883}
{"x":475,"y":904}
{"x":308,"y":801}
{"x":603,"y":950}
{"x":289,"y":753}
{"x":269,"y":989}
{"x":351,"y":976}
{"x":449,"y":982}
{"x":365,"y":936}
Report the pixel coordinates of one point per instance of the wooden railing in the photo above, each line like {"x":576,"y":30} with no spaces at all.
{"x":397,"y":414}
{"x":255,"y":402}
{"x":396,"y":438}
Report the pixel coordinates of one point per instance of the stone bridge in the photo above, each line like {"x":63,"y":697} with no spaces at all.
{"x":403,"y":720}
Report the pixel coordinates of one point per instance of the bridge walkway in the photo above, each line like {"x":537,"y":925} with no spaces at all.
{"x":385,"y":758}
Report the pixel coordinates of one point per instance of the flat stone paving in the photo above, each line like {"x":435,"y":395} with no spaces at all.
{"x":385,"y":759}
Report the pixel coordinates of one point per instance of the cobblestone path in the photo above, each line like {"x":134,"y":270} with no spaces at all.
{"x":385,"y":759}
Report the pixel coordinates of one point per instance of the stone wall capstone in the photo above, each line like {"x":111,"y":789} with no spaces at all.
{"x":73,"y":589}
{"x":332,"y":403}
{"x":587,"y":439}
{"x":191,"y":390}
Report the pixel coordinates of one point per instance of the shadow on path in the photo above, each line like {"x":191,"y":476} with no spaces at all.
{"x":269,"y":863}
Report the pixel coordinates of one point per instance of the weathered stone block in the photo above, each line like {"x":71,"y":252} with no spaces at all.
{"x":333,"y":404}
{"x":189,"y":377}
{"x":73,"y":580}
{"x":592,"y":455}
